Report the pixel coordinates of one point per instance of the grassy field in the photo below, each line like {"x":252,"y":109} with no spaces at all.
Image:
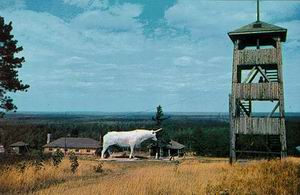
{"x":189,"y":176}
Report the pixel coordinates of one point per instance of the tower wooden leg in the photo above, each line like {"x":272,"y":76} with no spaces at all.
{"x":232,"y":148}
{"x":283,"y":145}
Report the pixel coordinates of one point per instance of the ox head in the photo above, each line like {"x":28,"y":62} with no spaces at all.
{"x":153,"y":132}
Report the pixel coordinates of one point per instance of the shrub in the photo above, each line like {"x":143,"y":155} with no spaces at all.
{"x":38,"y":159}
{"x":74,"y":162}
{"x":57,"y":157}
{"x":99,"y":167}
{"x":21,"y":166}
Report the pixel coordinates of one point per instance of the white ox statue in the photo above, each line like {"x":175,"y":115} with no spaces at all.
{"x":127,"y":139}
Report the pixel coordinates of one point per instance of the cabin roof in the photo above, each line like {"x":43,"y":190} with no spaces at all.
{"x":259,"y":28}
{"x":19,"y":144}
{"x":73,"y":142}
{"x":175,"y":145}
{"x":171,"y":145}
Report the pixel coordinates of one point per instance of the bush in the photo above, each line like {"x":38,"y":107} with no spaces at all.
{"x":99,"y":167}
{"x":21,"y":166}
{"x":38,"y":158}
{"x":211,"y":142}
{"x":74,"y":162}
{"x":57,"y":157}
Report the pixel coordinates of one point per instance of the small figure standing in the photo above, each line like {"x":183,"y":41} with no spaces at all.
{"x":172,"y":157}
{"x":261,"y":80}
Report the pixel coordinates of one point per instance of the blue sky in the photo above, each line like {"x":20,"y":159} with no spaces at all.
{"x":131,"y":55}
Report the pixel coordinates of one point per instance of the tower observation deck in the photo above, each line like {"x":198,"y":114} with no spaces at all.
{"x":257,"y":78}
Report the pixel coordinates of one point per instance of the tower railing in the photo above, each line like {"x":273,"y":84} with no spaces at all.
{"x":257,"y":56}
{"x":257,"y":91}
{"x":258,"y":125}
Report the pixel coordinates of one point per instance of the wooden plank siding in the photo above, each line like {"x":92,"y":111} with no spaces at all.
{"x":259,"y":125}
{"x":257,"y":91}
{"x":257,"y":57}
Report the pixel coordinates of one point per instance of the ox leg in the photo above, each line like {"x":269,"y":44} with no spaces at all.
{"x":104,"y":150}
{"x":131,"y":151}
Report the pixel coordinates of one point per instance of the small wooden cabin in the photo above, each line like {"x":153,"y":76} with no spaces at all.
{"x":173,"y":148}
{"x":20,"y":147}
{"x":80,"y":146}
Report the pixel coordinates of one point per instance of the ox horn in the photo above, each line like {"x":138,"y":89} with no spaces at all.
{"x":158,"y":130}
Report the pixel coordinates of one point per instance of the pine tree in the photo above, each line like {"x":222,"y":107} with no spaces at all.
{"x":9,"y":81}
{"x":163,"y":137}
{"x":159,"y":116}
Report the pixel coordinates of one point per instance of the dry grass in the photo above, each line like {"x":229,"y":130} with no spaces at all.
{"x":187,"y":177}
{"x":14,"y":179}
{"x":267,"y":177}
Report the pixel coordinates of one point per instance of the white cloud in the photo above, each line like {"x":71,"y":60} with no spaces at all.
{"x":279,"y":10}
{"x":12,"y":4}
{"x":88,"y":4}
{"x":204,"y":18}
{"x":79,"y":3}
{"x":117,"y":18}
{"x":63,"y":59}
{"x":187,"y":61}
{"x":103,"y":54}
{"x":293,"y":35}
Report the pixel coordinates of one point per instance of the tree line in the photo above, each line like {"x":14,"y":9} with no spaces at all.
{"x":203,"y":136}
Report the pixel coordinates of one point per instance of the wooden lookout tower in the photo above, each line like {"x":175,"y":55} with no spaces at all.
{"x":257,"y":79}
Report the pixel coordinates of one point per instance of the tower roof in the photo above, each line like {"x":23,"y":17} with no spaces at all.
{"x":259,"y":28}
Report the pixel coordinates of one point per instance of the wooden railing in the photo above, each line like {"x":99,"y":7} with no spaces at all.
{"x":257,"y":91}
{"x":257,"y":56}
{"x":259,"y":125}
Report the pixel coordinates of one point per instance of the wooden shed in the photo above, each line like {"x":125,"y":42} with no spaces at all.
{"x":20,"y":147}
{"x":173,"y":148}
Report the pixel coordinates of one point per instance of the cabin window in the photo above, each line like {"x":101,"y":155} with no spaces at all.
{"x":50,"y":149}
{"x":87,"y":150}
{"x":76,"y":150}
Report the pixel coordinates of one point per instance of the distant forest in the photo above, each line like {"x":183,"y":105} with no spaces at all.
{"x":204,"y":135}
